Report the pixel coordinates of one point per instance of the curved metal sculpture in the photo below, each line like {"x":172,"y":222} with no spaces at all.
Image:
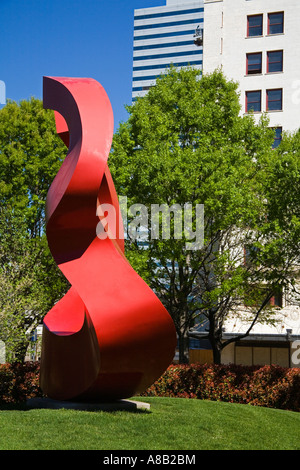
{"x":109,"y":337}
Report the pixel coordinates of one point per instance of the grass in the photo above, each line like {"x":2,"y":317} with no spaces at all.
{"x":171,"y":424}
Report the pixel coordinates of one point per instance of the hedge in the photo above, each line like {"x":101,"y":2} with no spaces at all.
{"x":270,"y":386}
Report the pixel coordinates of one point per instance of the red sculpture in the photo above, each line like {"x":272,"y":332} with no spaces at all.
{"x":109,"y":337}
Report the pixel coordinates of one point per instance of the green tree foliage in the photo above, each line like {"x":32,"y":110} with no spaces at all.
{"x":283,"y":196}
{"x":186,"y":142}
{"x":31,"y":154}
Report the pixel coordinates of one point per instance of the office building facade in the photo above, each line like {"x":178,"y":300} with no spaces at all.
{"x":163,"y":36}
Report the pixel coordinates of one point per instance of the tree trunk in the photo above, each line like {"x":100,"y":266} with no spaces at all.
{"x":215,"y":337}
{"x":216,"y":354}
{"x":183,"y":346}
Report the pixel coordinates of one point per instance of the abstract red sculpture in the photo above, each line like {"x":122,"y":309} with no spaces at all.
{"x":109,"y":337}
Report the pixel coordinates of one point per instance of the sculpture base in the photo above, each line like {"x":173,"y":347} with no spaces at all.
{"x":118,"y":405}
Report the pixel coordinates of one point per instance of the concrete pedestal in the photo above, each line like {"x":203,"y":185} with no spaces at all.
{"x":126,"y":405}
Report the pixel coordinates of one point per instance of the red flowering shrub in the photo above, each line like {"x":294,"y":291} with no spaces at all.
{"x":18,"y":382}
{"x":271,"y":386}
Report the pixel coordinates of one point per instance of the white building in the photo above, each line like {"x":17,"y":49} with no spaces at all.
{"x":256,"y":42}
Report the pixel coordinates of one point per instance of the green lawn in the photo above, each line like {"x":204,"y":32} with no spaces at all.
{"x":171,"y":424}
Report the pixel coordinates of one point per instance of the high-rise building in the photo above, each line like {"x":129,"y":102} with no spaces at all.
{"x":165,"y":35}
{"x":255,"y":42}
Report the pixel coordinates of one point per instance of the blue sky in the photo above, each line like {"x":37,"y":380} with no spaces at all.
{"x":74,"y":38}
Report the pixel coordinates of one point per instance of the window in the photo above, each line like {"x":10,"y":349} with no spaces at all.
{"x":253,"y":101}
{"x":278,"y":136}
{"x":254,"y":25}
{"x":255,"y":295}
{"x":274,"y":100}
{"x":254,"y":63}
{"x":276,"y":300}
{"x":274,"y":61}
{"x":275,"y":23}
{"x":251,"y":254}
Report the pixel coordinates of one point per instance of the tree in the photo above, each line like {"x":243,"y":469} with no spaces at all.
{"x":283,"y":209}
{"x":185,"y":142}
{"x":30,"y":156}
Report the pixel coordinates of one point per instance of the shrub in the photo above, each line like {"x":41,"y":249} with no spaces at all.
{"x":271,"y":386}
{"x":19,"y":381}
